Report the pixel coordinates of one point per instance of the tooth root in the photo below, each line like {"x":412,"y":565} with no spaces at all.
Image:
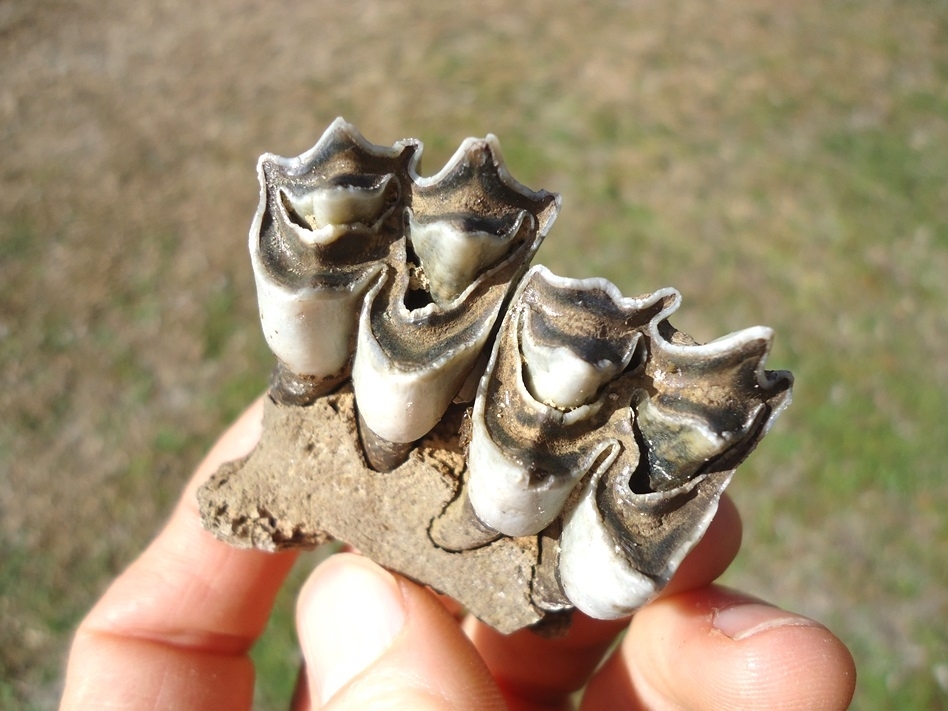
{"x":547,"y":593}
{"x":381,"y":454}
{"x":288,"y":388}
{"x":459,"y":528}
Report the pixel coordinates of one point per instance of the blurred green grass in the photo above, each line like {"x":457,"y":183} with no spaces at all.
{"x":779,"y":164}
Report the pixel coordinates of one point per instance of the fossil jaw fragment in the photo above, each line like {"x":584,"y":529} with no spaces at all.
{"x":600,"y":438}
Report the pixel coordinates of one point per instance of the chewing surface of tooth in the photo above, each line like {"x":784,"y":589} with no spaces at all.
{"x":454,"y":250}
{"x":339,"y":205}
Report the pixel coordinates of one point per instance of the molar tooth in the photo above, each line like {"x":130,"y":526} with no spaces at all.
{"x":324,"y":227}
{"x":699,"y":411}
{"x":412,"y":359}
{"x":526,"y":456}
{"x":411,"y":363}
{"x":703,"y":400}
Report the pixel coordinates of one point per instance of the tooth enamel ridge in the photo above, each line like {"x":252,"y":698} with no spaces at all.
{"x":596,"y":434}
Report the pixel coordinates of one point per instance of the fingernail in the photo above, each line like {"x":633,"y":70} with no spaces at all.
{"x":740,"y":622}
{"x":349,"y":613}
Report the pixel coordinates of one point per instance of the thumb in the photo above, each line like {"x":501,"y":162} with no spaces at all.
{"x":371,"y":639}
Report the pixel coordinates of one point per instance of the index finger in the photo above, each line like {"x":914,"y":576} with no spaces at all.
{"x":173,"y":631}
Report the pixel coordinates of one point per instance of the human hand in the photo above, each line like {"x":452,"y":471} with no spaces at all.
{"x":174,"y":632}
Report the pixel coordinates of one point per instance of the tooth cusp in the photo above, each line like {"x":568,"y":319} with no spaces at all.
{"x":325,"y":214}
{"x":454,"y":250}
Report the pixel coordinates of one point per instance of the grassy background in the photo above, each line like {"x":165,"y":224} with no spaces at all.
{"x":779,"y":163}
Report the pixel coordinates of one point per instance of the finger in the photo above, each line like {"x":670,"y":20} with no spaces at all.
{"x":714,"y":649}
{"x":529,"y":667}
{"x":452,"y":606}
{"x":179,"y":621}
{"x":374,"y":640}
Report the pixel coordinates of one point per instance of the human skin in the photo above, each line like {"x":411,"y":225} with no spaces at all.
{"x":174,"y":632}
